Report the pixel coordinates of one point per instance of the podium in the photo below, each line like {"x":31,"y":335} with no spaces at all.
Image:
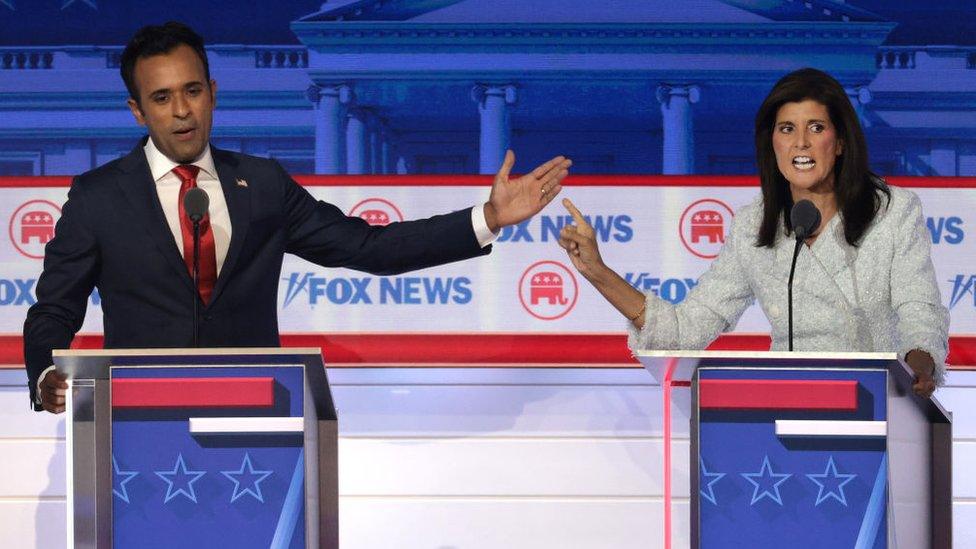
{"x":806,"y":450}
{"x":200,"y":448}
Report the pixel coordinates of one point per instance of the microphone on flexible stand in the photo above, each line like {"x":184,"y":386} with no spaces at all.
{"x":805,"y":218}
{"x":196,"y":202}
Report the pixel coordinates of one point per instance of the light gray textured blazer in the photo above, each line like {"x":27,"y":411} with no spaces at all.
{"x":880,"y":296}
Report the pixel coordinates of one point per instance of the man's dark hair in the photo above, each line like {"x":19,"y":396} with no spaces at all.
{"x":856,"y":189}
{"x":158,"y":40}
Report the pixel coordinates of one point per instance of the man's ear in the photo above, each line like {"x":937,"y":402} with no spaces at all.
{"x":213,"y":93}
{"x":136,"y":111}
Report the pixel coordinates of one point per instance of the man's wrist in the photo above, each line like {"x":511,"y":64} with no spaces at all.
{"x":479,"y":223}
{"x":491,"y":217}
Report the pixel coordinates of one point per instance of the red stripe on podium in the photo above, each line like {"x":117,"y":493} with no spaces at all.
{"x":777,"y":394}
{"x":200,"y":392}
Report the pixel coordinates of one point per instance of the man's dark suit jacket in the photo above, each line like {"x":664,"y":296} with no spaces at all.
{"x":113,"y":235}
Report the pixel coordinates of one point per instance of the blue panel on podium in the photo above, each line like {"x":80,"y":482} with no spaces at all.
{"x":777,"y":472}
{"x":208,"y":457}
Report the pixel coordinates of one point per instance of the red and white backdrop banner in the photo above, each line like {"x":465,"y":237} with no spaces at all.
{"x":660,"y":232}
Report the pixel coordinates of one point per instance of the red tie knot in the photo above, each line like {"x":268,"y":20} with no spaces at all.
{"x":187,"y":173}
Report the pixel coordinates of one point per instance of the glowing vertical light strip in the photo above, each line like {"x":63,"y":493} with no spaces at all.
{"x":875,"y":509}
{"x":670,"y":366}
{"x":290,"y":510}
{"x":70,"y":474}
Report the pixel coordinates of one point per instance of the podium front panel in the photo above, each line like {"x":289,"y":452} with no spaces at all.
{"x":208,"y":457}
{"x":793,"y":457}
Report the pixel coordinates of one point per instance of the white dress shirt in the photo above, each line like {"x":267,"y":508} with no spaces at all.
{"x":168,"y":189}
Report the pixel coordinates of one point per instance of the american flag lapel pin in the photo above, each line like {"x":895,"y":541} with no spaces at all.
{"x":241,"y":182}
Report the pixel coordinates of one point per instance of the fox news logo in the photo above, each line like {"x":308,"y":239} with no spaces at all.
{"x":32,"y":227}
{"x":20,"y":292}
{"x":946,"y":230}
{"x":403,"y":290}
{"x":545,"y":228}
{"x":376,"y":211}
{"x":963,"y":287}
{"x":703,"y":226}
{"x":673,"y":290}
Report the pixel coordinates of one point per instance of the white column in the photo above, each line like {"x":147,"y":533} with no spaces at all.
{"x":357,"y":161}
{"x":679,"y":138}
{"x":494,"y":103}
{"x":859,"y":96}
{"x":375,"y":145}
{"x":403,"y":166}
{"x":329,"y":104}
{"x":389,"y":151}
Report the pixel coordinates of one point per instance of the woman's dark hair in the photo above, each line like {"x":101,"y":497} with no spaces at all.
{"x":158,"y":40}
{"x":856,"y":189}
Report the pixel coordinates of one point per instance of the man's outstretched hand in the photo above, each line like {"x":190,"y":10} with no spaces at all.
{"x":515,"y":200}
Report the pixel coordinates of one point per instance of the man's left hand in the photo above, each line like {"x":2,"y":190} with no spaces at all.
{"x":514,"y":201}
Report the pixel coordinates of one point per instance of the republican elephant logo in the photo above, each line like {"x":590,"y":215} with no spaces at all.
{"x":32,"y":226}
{"x":548,"y":290}
{"x":707,"y":224}
{"x":549,"y":286}
{"x":703,"y":227}
{"x":36,"y":225}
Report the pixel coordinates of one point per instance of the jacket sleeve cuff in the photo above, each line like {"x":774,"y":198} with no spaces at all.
{"x":37,"y":387}
{"x":480,"y":225}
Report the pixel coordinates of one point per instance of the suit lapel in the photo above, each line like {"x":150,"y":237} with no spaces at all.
{"x":238,"y":199}
{"x":831,"y":275}
{"x":139,"y":190}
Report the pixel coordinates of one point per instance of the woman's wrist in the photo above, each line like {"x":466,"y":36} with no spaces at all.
{"x":598,"y":275}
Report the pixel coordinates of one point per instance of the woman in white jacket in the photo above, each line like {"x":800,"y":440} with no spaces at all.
{"x":866,"y":281}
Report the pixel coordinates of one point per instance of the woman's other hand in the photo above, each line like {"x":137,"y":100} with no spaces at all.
{"x":923,"y":366}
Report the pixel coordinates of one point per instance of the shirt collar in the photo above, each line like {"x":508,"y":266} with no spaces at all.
{"x":160,"y":164}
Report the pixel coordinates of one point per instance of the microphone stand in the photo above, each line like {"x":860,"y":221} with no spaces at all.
{"x":805,"y":218}
{"x":789,"y":288}
{"x":196,"y":283}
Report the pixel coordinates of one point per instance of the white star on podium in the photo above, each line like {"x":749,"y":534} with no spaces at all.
{"x":123,"y":478}
{"x":766,"y":483}
{"x":181,"y":478}
{"x":712,"y":478}
{"x":248,"y":478}
{"x":833,"y":482}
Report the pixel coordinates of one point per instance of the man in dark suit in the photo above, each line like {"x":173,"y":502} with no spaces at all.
{"x":124,"y":229}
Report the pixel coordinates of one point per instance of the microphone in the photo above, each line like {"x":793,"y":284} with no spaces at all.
{"x":196,"y":202}
{"x":805,"y":218}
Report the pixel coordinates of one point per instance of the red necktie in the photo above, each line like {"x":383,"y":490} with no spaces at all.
{"x":208,"y":253}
